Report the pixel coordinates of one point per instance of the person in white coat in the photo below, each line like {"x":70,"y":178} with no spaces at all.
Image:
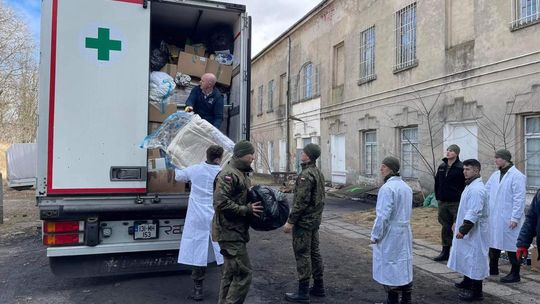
{"x":391,"y":236}
{"x":469,"y":253}
{"x":196,"y":246}
{"x":506,"y":191}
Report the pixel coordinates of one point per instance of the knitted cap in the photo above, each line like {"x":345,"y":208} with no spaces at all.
{"x":504,"y":154}
{"x":313,"y":151}
{"x":392,"y":163}
{"x":243,"y":148}
{"x":454,"y":148}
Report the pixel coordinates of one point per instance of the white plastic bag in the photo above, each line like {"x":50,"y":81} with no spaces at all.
{"x":161,"y":87}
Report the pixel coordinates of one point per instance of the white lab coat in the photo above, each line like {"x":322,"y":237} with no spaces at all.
{"x":469,"y":256}
{"x":392,"y":254}
{"x":196,"y":246}
{"x":506,"y":204}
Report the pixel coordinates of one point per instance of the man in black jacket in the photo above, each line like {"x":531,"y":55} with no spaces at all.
{"x":530,"y":229}
{"x":449,"y":184}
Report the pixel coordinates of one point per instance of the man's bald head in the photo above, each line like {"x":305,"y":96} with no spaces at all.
{"x":208,"y":81}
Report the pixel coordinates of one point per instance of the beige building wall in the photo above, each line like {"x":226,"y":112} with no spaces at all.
{"x":473,"y":81}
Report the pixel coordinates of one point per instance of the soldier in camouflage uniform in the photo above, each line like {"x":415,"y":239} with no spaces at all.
{"x":304,"y":222}
{"x":231,"y":223}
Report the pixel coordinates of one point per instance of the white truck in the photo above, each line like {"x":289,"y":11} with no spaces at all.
{"x":98,"y":216}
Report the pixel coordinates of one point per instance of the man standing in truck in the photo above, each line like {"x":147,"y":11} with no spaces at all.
{"x":206,"y":101}
{"x":196,"y":238}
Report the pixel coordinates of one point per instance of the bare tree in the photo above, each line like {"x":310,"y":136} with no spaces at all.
{"x":18,"y":79}
{"x":263,"y":158}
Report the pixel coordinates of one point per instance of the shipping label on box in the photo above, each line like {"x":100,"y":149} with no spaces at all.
{"x":198,"y":50}
{"x":163,"y":182}
{"x":170,"y":69}
{"x":222,"y":72}
{"x":155,"y":115}
{"x":192,"y":65}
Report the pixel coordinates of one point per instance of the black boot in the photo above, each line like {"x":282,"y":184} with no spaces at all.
{"x":494,"y":255}
{"x":301,"y":296}
{"x":197,"y":294}
{"x":318,"y":288}
{"x":392,"y":297}
{"x":406,"y":294}
{"x":465,"y":284}
{"x":474,"y":293}
{"x":443,"y":256}
{"x":513,"y":276}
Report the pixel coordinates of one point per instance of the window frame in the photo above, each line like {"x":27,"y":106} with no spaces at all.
{"x":526,"y":137}
{"x":270,"y":96}
{"x":405,"y":53}
{"x":260,"y":93}
{"x":367,"y":49}
{"x":519,"y":20}
{"x":414,"y":152}
{"x":370,"y":147}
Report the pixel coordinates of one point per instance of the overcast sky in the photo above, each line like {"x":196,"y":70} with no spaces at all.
{"x":270,"y":17}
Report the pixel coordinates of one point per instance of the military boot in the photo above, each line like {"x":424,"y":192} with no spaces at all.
{"x":474,"y":293}
{"x":406,"y":294}
{"x":513,"y":276}
{"x":197,"y":294}
{"x":444,"y":255}
{"x":302,"y":296}
{"x":318,"y":288}
{"x":465,"y":284}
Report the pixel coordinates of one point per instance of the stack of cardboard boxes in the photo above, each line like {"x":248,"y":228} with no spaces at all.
{"x":160,"y":175}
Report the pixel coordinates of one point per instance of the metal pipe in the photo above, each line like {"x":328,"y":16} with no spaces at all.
{"x":1,"y":200}
{"x":288,"y":105}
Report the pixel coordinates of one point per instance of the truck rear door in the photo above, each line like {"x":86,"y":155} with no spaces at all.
{"x":95,"y":95}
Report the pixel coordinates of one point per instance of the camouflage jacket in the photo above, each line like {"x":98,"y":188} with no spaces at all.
{"x":308,"y":198}
{"x":232,"y":211}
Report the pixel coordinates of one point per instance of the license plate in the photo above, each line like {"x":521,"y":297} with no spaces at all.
{"x":145,"y":231}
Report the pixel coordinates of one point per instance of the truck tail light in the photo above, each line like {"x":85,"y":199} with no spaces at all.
{"x":63,"y":239}
{"x":62,"y":227}
{"x":63,"y":233}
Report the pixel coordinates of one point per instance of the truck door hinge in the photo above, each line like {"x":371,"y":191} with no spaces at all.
{"x":145,"y":3}
{"x":245,"y":76}
{"x":245,"y":22}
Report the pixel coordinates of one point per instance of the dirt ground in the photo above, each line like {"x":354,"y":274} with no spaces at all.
{"x":20,"y":214}
{"x":424,"y":222}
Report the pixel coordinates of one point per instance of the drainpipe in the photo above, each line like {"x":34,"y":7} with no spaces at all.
{"x":288,"y":104}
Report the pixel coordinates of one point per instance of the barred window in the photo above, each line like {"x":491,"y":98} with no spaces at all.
{"x":307,"y":83}
{"x":406,"y":37}
{"x":367,"y":54}
{"x":532,"y":148}
{"x":271,"y":96}
{"x":524,"y":12}
{"x":409,"y":152}
{"x":370,"y":152}
{"x":260,"y":100}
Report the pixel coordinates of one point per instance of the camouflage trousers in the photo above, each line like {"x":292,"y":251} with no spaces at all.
{"x":308,"y":256}
{"x":198,"y":273}
{"x":447,"y":217}
{"x":235,"y":273}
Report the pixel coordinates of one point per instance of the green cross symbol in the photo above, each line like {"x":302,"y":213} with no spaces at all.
{"x":103,"y":44}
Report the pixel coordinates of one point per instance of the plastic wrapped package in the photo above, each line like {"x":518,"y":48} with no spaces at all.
{"x":163,"y":136}
{"x":226,"y":59}
{"x":275,"y":208}
{"x":189,"y":145}
{"x":182,"y":80}
{"x":161,"y":88}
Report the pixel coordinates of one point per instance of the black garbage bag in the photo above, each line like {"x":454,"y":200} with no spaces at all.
{"x":159,"y":56}
{"x":275,"y":208}
{"x":221,"y":39}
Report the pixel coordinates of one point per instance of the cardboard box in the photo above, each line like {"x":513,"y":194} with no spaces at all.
{"x":153,"y":126}
{"x":163,"y":182}
{"x":154,"y":153}
{"x":155,"y":115}
{"x":174,"y":50}
{"x":223,"y":72}
{"x":192,"y":65}
{"x":198,"y":50}
{"x":170,"y":69}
